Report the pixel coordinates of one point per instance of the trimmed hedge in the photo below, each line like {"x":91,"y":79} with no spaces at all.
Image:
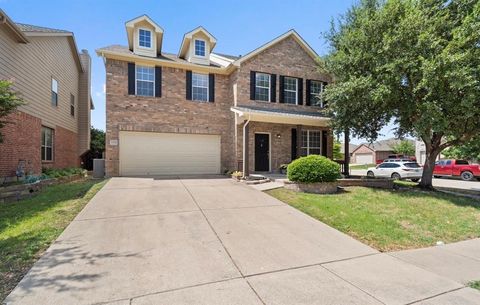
{"x":313,"y":168}
{"x":62,"y":172}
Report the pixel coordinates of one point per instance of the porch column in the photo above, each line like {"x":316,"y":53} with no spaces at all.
{"x":245,"y":150}
{"x":346,"y":157}
{"x":299,"y":140}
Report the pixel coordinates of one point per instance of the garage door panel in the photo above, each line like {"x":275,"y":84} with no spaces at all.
{"x":149,"y":153}
{"x":366,"y":158}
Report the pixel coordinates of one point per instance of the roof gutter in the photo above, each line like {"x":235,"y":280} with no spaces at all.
{"x":4,"y":19}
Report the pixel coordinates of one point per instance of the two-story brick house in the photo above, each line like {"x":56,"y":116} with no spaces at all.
{"x":189,"y":113}
{"x":53,"y":128}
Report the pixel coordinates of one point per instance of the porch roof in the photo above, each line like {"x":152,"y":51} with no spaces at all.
{"x":280,"y":116}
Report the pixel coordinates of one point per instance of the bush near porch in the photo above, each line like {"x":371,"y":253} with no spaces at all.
{"x":312,"y":169}
{"x":391,"y":220}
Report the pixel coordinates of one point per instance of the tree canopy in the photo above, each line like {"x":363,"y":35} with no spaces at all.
{"x":9,"y":101}
{"x":416,"y":62}
{"x":468,"y":151}
{"x":405,"y":148}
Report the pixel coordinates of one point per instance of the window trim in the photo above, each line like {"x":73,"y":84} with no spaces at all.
{"x":136,"y":79}
{"x":43,"y":145}
{"x":208,"y":88}
{"x":194,"y":48}
{"x":269,"y":87}
{"x":151,"y":38}
{"x":52,"y":91}
{"x":286,"y":90}
{"x":72,"y":105}
{"x":308,"y":147}
{"x":322,"y":88}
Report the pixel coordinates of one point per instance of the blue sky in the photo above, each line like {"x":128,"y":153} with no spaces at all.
{"x":239,"y":26}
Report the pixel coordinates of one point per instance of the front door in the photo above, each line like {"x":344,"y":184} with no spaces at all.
{"x":262,"y":152}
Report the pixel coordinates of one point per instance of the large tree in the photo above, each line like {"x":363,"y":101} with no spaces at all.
{"x":416,"y":62}
{"x":9,"y":101}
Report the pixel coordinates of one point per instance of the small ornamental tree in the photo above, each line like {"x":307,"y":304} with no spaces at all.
{"x":405,"y":148}
{"x":468,"y":151}
{"x":337,"y":151}
{"x":9,"y":101}
{"x":313,"y":168}
{"x":416,"y":62}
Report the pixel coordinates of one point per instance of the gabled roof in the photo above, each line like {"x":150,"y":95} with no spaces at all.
{"x":188,"y":37}
{"x":22,"y":31}
{"x":130,"y":25}
{"x":291,"y":33}
{"x":383,"y":145}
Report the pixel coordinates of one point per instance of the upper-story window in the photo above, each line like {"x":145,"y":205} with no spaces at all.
{"x":262,"y":87}
{"x":145,"y":38}
{"x":290,"y":90}
{"x":200,"y":46}
{"x":72,"y":105}
{"x":145,"y":81}
{"x":316,"y":93}
{"x":54,"y":92}
{"x":200,"y":87}
{"x":310,"y":142}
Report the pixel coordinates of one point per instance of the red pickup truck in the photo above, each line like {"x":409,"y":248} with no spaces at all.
{"x":460,"y":168}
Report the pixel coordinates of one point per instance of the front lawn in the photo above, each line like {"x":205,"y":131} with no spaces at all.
{"x":391,"y":220}
{"x":362,"y":166}
{"x":29,"y":226}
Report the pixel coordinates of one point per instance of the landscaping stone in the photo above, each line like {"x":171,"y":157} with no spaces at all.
{"x":316,"y":188}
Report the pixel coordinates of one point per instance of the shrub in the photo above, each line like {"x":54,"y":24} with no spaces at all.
{"x":62,"y":172}
{"x":313,"y":168}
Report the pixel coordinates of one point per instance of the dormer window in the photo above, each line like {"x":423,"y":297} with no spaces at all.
{"x":200,"y":47}
{"x":144,"y":38}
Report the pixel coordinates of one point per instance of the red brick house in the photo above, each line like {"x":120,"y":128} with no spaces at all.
{"x":201,"y":112}
{"x":53,"y":128}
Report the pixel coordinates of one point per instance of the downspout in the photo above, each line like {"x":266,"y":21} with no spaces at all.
{"x":245,"y":139}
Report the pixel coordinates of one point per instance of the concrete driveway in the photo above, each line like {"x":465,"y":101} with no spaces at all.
{"x":215,"y":241}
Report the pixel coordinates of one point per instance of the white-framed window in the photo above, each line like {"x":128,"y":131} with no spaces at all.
{"x":200,"y":87}
{"x":145,"y":81}
{"x":316,"y":93}
{"x":262,"y":87}
{"x":47,"y":144}
{"x":311,"y":142}
{"x":290,"y":88}
{"x":72,"y":105}
{"x":54,"y":92}
{"x":144,"y":38}
{"x":200,"y":47}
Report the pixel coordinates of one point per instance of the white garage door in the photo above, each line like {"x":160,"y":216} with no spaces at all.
{"x":366,"y":158}
{"x":151,"y":153}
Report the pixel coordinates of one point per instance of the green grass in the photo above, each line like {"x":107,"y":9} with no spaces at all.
{"x":474,"y":285}
{"x":362,"y":166}
{"x":29,"y":226}
{"x":391,"y":220}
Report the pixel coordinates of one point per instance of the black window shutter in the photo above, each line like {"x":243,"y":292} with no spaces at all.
{"x":308,"y":84}
{"x":158,"y":81}
{"x":324,"y":142}
{"x":189,"y":85}
{"x":273,"y":88}
{"x":131,"y":78}
{"x":211,"y":87}
{"x":281,"y":85}
{"x":252,"y":85}
{"x":300,"y":91}
{"x":294,"y":143}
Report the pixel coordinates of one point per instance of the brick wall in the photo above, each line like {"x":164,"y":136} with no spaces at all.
{"x":171,"y":113}
{"x":21,"y":141}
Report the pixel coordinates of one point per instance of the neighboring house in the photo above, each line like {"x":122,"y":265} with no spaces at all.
{"x":53,"y":128}
{"x":351,"y":148}
{"x":370,"y":153}
{"x":421,"y":153}
{"x":189,"y":113}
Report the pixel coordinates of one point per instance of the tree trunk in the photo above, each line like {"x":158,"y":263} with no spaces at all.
{"x":432,"y":150}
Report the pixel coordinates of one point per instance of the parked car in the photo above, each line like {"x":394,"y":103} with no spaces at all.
{"x":456,"y":168}
{"x":396,"y":160}
{"x":396,"y":170}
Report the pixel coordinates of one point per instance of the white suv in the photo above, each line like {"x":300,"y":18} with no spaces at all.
{"x":396,"y":170}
